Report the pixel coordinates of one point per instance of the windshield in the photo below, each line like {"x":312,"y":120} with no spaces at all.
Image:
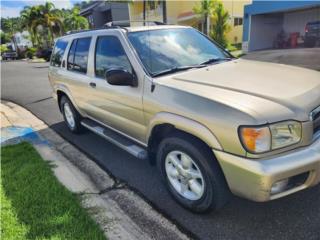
{"x":165,"y":49}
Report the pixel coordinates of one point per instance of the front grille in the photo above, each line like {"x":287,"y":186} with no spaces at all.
{"x":315,"y":117}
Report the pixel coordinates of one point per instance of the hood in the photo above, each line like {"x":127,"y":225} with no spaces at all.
{"x":271,"y":91}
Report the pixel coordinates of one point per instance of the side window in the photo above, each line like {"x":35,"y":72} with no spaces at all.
{"x":58,"y":52}
{"x":110,"y":54}
{"x":78,"y":55}
{"x":71,"y":55}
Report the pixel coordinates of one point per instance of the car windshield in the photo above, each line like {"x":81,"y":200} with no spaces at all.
{"x":165,"y":50}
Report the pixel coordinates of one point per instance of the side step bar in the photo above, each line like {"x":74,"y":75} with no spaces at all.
{"x":116,"y":138}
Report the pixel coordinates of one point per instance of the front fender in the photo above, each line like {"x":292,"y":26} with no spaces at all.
{"x":184,"y":124}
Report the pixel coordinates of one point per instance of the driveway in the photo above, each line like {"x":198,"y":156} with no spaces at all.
{"x":302,"y":57}
{"x":294,"y":217}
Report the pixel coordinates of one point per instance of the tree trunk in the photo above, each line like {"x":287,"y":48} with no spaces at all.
{"x":208,"y":25}
{"x":15,"y":45}
{"x":205,"y":24}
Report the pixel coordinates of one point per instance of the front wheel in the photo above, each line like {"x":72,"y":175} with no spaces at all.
{"x":71,"y":117}
{"x":192,"y":174}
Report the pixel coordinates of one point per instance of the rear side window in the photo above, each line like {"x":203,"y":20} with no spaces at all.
{"x":58,"y":52}
{"x":110,"y":54}
{"x":78,"y":55}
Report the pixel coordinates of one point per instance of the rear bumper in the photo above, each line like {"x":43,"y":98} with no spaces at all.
{"x":253,"y":179}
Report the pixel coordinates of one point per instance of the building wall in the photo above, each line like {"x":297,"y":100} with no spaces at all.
{"x":235,"y":9}
{"x":296,"y":21}
{"x":264,"y":30}
{"x":176,"y":8}
{"x":263,"y":7}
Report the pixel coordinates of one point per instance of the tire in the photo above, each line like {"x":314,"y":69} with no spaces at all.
{"x":69,"y":112}
{"x":213,"y":193}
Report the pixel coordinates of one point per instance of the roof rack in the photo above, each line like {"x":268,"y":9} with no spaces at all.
{"x":89,"y":30}
{"x":116,"y":24}
{"x":127,"y":23}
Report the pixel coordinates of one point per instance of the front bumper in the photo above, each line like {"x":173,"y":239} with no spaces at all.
{"x":253,"y":179}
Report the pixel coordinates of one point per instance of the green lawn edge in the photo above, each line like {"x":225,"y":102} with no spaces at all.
{"x":34,"y":204}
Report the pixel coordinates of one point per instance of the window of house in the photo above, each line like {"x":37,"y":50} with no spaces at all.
{"x":58,"y":52}
{"x":90,"y":20}
{"x":78,"y":55}
{"x":109,"y":55}
{"x":238,"y":21}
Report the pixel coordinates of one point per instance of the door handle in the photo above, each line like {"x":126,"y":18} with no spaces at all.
{"x":92,"y":84}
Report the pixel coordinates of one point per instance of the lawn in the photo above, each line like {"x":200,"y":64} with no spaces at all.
{"x":34,"y":205}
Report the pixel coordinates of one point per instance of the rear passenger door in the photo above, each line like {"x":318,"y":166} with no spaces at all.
{"x":56,"y":72}
{"x":75,"y":74}
{"x":119,"y":107}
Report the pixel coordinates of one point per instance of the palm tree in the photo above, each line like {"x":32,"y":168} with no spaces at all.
{"x":206,"y":9}
{"x":220,"y":25}
{"x":12,"y":26}
{"x":28,"y":16}
{"x":73,"y":21}
{"x":48,"y":19}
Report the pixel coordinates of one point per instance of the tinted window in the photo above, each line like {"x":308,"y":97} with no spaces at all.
{"x":164,"y":49}
{"x":78,"y":55}
{"x":110,"y":54}
{"x":71,"y":55}
{"x":58,"y":52}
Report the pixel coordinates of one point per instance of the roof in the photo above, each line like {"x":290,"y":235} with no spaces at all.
{"x":89,"y":7}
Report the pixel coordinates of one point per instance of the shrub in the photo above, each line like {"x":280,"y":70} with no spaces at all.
{"x":31,"y":52}
{"x":3,"y":48}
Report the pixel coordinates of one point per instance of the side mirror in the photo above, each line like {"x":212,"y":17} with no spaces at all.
{"x":120,"y":77}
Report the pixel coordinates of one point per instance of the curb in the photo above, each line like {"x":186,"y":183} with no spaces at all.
{"x":120,"y":212}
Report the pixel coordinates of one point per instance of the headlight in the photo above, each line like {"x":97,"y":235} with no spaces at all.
{"x":270,"y":137}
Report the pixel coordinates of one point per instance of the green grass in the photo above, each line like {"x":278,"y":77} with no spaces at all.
{"x":34,"y":205}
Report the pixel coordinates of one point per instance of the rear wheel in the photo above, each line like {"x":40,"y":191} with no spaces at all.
{"x":192,"y":174}
{"x":71,"y":117}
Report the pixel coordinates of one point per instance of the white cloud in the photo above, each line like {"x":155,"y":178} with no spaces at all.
{"x":57,"y":3}
{"x":10,"y":11}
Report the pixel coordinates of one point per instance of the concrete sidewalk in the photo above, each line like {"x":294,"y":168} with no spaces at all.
{"x":120,"y":212}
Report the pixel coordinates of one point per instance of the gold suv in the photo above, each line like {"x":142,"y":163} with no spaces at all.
{"x":212,"y":123}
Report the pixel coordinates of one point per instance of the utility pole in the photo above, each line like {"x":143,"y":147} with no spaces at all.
{"x":164,"y":11}
{"x":144,"y":12}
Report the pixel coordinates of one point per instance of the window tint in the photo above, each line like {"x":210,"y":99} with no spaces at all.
{"x":58,"y":52}
{"x":78,"y":55}
{"x":71,"y":55}
{"x":110,"y":54}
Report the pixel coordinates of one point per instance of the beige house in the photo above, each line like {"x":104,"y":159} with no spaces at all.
{"x":181,"y":12}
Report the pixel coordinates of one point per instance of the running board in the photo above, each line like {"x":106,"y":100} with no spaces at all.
{"x":117,"y":139}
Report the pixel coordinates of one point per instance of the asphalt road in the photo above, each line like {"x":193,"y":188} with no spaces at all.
{"x":294,"y":217}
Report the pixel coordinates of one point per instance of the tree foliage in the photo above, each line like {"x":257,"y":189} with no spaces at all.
{"x":220,"y":26}
{"x":205,"y":9}
{"x":44,"y":22}
{"x":214,"y":10}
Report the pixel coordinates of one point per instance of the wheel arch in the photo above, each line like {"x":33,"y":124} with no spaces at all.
{"x":165,"y":123}
{"x":62,"y":91}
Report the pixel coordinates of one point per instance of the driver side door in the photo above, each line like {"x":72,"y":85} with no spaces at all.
{"x":117,"y":107}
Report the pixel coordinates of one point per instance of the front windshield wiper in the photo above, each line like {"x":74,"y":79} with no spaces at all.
{"x":177,"y":69}
{"x":214,"y":60}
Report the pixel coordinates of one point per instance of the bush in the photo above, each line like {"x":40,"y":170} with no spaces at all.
{"x":231,"y":48}
{"x":3,"y":48}
{"x":31,"y":52}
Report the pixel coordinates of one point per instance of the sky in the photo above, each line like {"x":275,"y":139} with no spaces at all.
{"x":12,"y":8}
